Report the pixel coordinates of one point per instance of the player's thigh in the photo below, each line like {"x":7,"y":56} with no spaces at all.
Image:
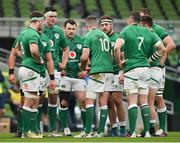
{"x":96,"y":83}
{"x":156,"y":76}
{"x":117,"y":85}
{"x":30,"y":79}
{"x":109,"y":82}
{"x":131,"y":82}
{"x":79,"y":85}
{"x":65,"y":84}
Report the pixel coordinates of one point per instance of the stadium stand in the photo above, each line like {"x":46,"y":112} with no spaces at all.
{"x":129,"y":5}
{"x":168,"y":8}
{"x":115,"y":7}
{"x":136,"y":4}
{"x":160,"y":9}
{"x":152,"y":6}
{"x":107,"y":8}
{"x":1,"y":9}
{"x":144,"y":4}
{"x":175,"y":6}
{"x":99,"y":6}
{"x":122,"y":8}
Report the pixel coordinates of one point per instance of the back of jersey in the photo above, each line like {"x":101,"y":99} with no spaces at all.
{"x":100,"y":51}
{"x":138,"y":43}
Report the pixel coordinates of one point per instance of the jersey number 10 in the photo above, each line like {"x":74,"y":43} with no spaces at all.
{"x":104,"y":44}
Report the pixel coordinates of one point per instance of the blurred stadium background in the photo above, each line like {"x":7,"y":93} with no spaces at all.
{"x":14,"y":13}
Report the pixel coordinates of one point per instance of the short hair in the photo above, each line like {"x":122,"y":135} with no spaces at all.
{"x":70,"y":21}
{"x":91,"y":20}
{"x":147,"y":19}
{"x":105,"y":18}
{"x":50,"y":8}
{"x":145,"y":11}
{"x":36,"y":14}
{"x":135,"y":16}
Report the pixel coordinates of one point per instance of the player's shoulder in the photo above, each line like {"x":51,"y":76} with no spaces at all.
{"x":44,"y":37}
{"x":57,"y":28}
{"x":157,"y":26}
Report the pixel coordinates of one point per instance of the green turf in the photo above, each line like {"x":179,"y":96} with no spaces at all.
{"x":172,"y":137}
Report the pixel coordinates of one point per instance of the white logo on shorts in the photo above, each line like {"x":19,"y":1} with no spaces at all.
{"x":30,"y":73}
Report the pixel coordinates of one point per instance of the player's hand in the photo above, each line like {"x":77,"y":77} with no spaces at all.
{"x":62,"y":66}
{"x":52,"y":84}
{"x":12,"y":79}
{"x":63,"y":73}
{"x":121,"y":64}
{"x":121,"y":79}
{"x":82,"y":74}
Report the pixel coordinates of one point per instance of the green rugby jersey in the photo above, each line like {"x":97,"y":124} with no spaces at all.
{"x":113,"y":37}
{"x":138,"y":42}
{"x":57,"y":41}
{"x":44,"y":47}
{"x":100,"y":51}
{"x":75,"y":52}
{"x":26,"y":37}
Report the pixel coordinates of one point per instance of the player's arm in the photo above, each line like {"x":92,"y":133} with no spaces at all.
{"x":50,"y":68}
{"x":35,"y":53}
{"x":12,"y":60}
{"x":169,"y":44}
{"x":85,"y":58}
{"x":49,"y":63}
{"x":119,"y":43}
{"x":65,"y":57}
{"x":160,"y":52}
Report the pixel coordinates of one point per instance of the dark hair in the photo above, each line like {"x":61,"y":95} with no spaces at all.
{"x":105,"y":17}
{"x":135,"y":16}
{"x":147,"y":19}
{"x":50,"y":8}
{"x":36,"y":14}
{"x":145,"y":11}
{"x":70,"y":21}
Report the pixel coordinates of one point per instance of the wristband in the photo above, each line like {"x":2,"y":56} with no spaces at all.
{"x":11,"y":71}
{"x":51,"y":76}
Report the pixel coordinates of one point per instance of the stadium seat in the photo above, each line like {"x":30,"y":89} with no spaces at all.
{"x":144,"y":4}
{"x":175,"y":5}
{"x":129,"y":5}
{"x":16,"y":8}
{"x":122,"y":7}
{"x":152,"y":6}
{"x":170,"y":12}
{"x":136,"y":5}
{"x":161,"y":9}
{"x":1,"y":9}
{"x":115,"y":8}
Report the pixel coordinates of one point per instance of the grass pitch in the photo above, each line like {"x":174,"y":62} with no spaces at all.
{"x":172,"y":137}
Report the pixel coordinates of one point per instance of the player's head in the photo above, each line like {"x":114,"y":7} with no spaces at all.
{"x":37,"y":20}
{"x":91,"y":22}
{"x":50,"y":14}
{"x":146,"y":21}
{"x":133,"y":17}
{"x":70,"y":27}
{"x":144,"y":12}
{"x":106,"y":24}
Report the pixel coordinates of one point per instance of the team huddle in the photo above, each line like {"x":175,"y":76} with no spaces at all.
{"x":102,"y":64}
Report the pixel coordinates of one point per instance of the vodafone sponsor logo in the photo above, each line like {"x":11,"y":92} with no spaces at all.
{"x":51,"y":43}
{"x":72,"y":54}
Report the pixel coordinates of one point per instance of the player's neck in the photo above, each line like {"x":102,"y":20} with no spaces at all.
{"x":33,"y":26}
